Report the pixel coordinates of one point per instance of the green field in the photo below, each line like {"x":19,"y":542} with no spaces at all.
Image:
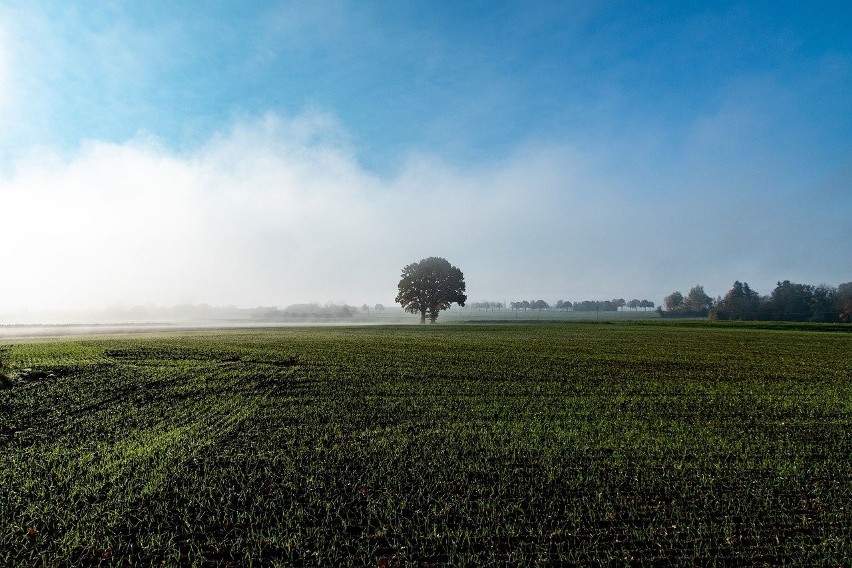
{"x":528,"y":444}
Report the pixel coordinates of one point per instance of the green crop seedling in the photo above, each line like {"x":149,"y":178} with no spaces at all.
{"x":478,"y":445}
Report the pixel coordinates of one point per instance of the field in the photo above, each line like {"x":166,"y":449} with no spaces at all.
{"x":530,"y":444}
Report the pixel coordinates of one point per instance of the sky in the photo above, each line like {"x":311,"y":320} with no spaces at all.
{"x":270,"y":153}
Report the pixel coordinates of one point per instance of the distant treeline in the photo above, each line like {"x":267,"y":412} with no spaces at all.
{"x":579,"y":306}
{"x":608,"y":305}
{"x":304,"y":312}
{"x":787,"y":302}
{"x":315,"y":312}
{"x":196,"y":312}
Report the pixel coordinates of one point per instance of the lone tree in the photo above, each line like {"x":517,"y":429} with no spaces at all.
{"x":430,"y":286}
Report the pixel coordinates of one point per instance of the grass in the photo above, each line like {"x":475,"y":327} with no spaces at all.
{"x":446,"y":445}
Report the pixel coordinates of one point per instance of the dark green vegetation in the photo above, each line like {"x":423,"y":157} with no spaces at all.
{"x":516,"y":444}
{"x":429,"y":287}
{"x":788,"y":302}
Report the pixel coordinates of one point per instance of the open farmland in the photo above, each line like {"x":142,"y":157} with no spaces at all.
{"x":445,"y":445}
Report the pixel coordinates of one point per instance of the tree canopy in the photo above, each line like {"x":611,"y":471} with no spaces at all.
{"x":789,"y":301}
{"x":697,"y":301}
{"x":674,"y":301}
{"x":429,"y":286}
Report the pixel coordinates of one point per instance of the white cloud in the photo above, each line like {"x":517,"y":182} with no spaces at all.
{"x":276,"y":211}
{"x":272,"y":211}
{"x":132,"y":222}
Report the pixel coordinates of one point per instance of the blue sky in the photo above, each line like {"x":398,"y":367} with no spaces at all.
{"x":287,"y":152}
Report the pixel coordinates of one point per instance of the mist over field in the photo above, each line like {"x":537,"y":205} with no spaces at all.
{"x":314,"y":166}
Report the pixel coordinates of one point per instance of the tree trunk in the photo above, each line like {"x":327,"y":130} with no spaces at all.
{"x":423,"y":316}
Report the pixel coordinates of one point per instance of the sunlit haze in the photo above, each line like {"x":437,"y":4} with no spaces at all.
{"x":269,"y":153}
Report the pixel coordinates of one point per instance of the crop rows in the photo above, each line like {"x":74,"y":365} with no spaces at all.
{"x":544,"y":444}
